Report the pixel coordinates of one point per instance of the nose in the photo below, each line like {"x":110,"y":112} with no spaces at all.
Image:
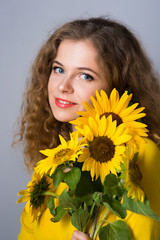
{"x":66,"y":85}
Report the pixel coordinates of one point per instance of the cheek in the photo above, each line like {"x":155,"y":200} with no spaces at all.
{"x":50,"y":90}
{"x":51,"y":85}
{"x":103,"y":84}
{"x":87,"y":93}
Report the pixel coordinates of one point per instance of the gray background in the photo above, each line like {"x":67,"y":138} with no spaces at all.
{"x":24,"y":26}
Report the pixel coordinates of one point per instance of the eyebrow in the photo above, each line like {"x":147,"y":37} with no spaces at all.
{"x":88,"y":69}
{"x":80,"y":68}
{"x":58,"y":63}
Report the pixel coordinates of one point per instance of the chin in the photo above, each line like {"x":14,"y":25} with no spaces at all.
{"x":65,"y":118}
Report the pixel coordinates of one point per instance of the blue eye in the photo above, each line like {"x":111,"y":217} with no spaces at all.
{"x":58,"y":70}
{"x":86,"y":76}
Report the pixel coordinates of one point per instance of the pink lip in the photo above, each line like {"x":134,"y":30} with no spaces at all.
{"x":63,"y":103}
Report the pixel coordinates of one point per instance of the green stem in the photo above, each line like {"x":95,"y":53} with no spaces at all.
{"x":100,"y":224}
{"x":90,"y":215}
{"x":94,"y":223}
{"x":91,"y":211}
{"x":85,"y":206}
{"x":51,"y":194}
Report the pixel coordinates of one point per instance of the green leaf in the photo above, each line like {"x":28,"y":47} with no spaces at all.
{"x":51,"y":205}
{"x":97,"y":197}
{"x":79,"y":219}
{"x":97,"y":185}
{"x":57,"y":177}
{"x":89,"y":202}
{"x":114,"y":206}
{"x":68,"y":202}
{"x":135,"y":157}
{"x":139,"y":207}
{"x":72,"y":177}
{"x":59,"y":214}
{"x":117,"y":230}
{"x":111,"y":185}
{"x":84,"y":188}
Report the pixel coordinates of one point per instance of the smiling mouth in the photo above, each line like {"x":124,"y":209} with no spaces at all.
{"x":62,"y":103}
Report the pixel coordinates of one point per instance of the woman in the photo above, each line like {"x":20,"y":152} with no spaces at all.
{"x":80,"y":57}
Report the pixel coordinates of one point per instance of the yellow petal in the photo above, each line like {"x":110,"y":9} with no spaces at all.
{"x":99,"y":100}
{"x":80,"y":130}
{"x":111,"y":167}
{"x":24,"y":193}
{"x":135,"y":124}
{"x":96,"y":105}
{"x":119,"y":131}
{"x":63,"y":141}
{"x":93,"y":126}
{"x":114,"y":97}
{"x":88,"y":133}
{"x":102,"y":126}
{"x":120,"y":149}
{"x":89,"y":108}
{"x":53,"y":169}
{"x":105,"y":100}
{"x":84,"y":156}
{"x":112,"y":129}
{"x":123,"y":102}
{"x":122,"y":139}
{"x":47,"y":152}
{"x":128,"y":110}
{"x":97,"y":171}
{"x":133,"y":117}
{"x":108,"y":123}
{"x":22,"y":199}
{"x":103,"y":171}
{"x":138,"y":110}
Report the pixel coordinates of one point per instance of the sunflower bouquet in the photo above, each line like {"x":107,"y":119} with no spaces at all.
{"x":98,"y":168}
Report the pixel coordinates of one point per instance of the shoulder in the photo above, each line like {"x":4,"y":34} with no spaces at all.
{"x":149,"y":158}
{"x":27,"y":226}
{"x":149,"y":165}
{"x":149,"y":150}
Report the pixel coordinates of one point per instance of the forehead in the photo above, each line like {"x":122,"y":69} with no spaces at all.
{"x":82,"y":51}
{"x":78,"y":45}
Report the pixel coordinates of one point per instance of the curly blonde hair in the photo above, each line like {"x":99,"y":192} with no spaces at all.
{"x":129,"y":68}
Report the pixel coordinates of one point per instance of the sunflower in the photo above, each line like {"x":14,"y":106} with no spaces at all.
{"x":121,"y":111}
{"x":64,"y":153}
{"x":34,"y":194}
{"x":133,"y":177}
{"x":105,"y":147}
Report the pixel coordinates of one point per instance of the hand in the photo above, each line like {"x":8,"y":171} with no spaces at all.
{"x":77,"y":235}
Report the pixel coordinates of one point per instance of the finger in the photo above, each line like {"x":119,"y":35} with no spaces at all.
{"x":77,"y":235}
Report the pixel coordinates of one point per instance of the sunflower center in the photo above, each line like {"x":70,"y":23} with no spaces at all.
{"x":62,"y":153}
{"x":102,"y":149}
{"x":135,"y":174}
{"x":114,"y":117}
{"x":37,"y":199}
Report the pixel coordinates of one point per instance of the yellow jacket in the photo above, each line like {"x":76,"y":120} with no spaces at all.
{"x":141,"y":227}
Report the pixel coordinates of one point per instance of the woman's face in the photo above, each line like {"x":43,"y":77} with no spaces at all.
{"x":76,"y":74}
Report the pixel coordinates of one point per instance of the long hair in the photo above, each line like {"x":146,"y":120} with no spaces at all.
{"x":122,"y":55}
